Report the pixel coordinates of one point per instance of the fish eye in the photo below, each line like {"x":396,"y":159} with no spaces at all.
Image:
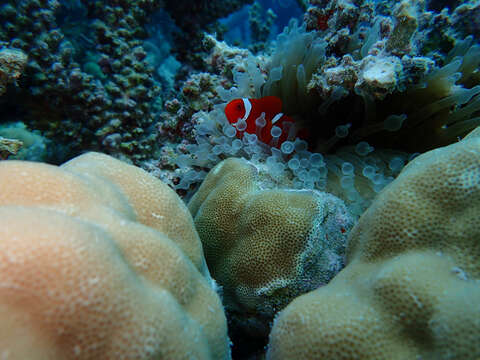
{"x":239,"y":107}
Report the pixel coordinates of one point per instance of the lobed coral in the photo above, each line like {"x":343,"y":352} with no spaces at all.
{"x":100,"y":260}
{"x":371,"y":81}
{"x":360,"y":79}
{"x":266,"y":245}
{"x":410,"y":286}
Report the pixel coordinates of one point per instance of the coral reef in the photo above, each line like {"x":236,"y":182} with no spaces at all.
{"x":97,"y":90}
{"x":265,"y":245}
{"x":367,"y":87}
{"x":383,"y":55}
{"x":33,"y":145}
{"x":12,"y":64}
{"x":101,"y":260}
{"x":198,"y":119}
{"x":410,"y":286}
{"x":465,"y":18}
{"x":194,"y":19}
{"x":360,"y":77}
{"x":260,"y":28}
{"x":106,"y":105}
{"x":119,"y":34}
{"x":9,"y":147}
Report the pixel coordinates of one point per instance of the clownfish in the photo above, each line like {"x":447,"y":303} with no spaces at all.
{"x":262,"y":117}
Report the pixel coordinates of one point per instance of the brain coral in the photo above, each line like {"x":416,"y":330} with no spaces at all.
{"x":99,"y":260}
{"x":411,"y":287}
{"x":266,"y":246}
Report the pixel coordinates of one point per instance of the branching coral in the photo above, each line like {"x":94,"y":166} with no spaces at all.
{"x":119,"y":34}
{"x":410,"y":288}
{"x":106,"y":102}
{"x":89,"y":79}
{"x":260,"y":25}
{"x":194,"y":19}
{"x":61,"y":96}
{"x":99,"y":260}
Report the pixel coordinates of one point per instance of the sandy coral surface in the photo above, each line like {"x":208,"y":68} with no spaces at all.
{"x":93,"y":267}
{"x":410,"y":288}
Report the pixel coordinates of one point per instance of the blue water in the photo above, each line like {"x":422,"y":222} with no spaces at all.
{"x":239,"y":30}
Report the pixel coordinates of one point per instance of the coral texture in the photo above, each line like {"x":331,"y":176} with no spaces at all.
{"x":12,"y":64}
{"x":95,"y":87}
{"x":119,"y":34}
{"x":266,"y":246}
{"x":260,"y":26}
{"x":99,"y":260}
{"x":410,"y":288}
{"x":9,"y":147}
{"x":369,"y":84}
{"x":354,"y":174}
{"x":193,"y":18}
{"x":403,"y":62}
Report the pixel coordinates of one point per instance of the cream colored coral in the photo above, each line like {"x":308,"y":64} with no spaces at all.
{"x":152,"y":201}
{"x":266,"y":246}
{"x":99,"y":260}
{"x":411,"y":287}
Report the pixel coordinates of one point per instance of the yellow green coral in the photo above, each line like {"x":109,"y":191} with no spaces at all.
{"x":266,"y":246}
{"x":410,"y":289}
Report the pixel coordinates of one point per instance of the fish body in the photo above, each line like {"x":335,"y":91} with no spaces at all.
{"x":269,"y":108}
